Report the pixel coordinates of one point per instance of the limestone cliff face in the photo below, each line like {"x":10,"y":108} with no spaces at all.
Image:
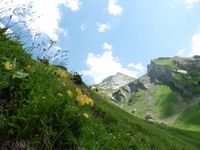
{"x":159,"y":72}
{"x":164,"y":74}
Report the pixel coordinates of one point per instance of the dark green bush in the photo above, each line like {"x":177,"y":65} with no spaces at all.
{"x":77,"y":78}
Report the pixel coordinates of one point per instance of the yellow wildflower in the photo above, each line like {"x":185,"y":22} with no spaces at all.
{"x":86,"y":115}
{"x":60,"y":94}
{"x":69,"y":93}
{"x":28,"y":67}
{"x":44,"y":97}
{"x":63,"y":74}
{"x":8,"y":65}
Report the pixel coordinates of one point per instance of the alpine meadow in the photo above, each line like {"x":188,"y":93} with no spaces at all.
{"x":97,"y":75}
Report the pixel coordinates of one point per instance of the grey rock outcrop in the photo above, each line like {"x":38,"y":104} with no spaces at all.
{"x":125,"y":92}
{"x":159,"y":72}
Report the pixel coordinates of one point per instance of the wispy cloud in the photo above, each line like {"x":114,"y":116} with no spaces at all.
{"x":103,"y":65}
{"x":46,"y":16}
{"x":187,"y":3}
{"x":195,"y":44}
{"x":114,"y":8}
{"x":107,"y":46}
{"x":139,"y":67}
{"x":83,"y":27}
{"x":181,"y":52}
{"x":74,"y":5}
{"x":103,"y":27}
{"x":190,"y":3}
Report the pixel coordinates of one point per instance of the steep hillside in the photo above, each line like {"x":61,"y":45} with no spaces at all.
{"x":45,"y":107}
{"x":169,"y":89}
{"x":189,"y":119}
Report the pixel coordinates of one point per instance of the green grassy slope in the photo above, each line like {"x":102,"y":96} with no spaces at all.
{"x":41,"y":107}
{"x":159,"y":101}
{"x":189,"y":119}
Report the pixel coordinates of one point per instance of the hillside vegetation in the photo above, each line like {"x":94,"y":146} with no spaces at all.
{"x":45,"y":107}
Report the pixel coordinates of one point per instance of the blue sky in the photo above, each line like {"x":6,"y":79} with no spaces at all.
{"x":104,"y":37}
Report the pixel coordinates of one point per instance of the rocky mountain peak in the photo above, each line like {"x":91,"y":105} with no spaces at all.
{"x":116,"y":81}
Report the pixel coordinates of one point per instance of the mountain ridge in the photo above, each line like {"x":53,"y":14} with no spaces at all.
{"x":115,"y":81}
{"x":112,"y":83}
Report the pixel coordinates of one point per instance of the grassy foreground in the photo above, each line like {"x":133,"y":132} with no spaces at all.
{"x":44,"y":107}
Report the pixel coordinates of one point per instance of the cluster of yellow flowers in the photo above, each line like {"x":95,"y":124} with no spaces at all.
{"x":8,"y":65}
{"x":83,"y":99}
{"x":63,"y":74}
{"x":69,"y":93}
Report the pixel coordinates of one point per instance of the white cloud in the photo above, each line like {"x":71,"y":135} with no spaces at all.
{"x":46,"y":16}
{"x":139,"y":67}
{"x":190,"y":3}
{"x":187,"y":3}
{"x":195,"y":44}
{"x":107,"y":46}
{"x":74,"y":5}
{"x":172,"y":3}
{"x":181,"y":52}
{"x":83,"y":27}
{"x":103,"y":27}
{"x":114,"y":8}
{"x":104,"y":65}
{"x":63,"y":31}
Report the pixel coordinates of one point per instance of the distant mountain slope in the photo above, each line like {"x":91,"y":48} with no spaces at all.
{"x":115,"y":81}
{"x":112,"y":83}
{"x":170,"y":87}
